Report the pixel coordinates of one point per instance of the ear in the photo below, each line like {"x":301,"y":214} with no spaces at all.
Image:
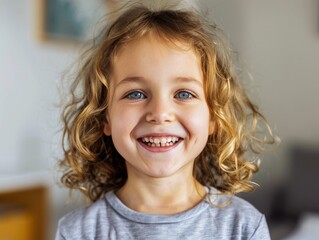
{"x":211,"y":129}
{"x":107,"y":126}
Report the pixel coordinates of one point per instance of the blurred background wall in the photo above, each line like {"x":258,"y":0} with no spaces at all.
{"x":30,"y":70}
{"x":278,"y":45}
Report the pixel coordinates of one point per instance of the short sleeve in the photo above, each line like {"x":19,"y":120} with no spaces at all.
{"x":262,"y":231}
{"x":58,"y":235}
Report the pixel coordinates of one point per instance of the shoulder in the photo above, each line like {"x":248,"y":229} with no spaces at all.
{"x":242,"y":208}
{"x":231,"y":204}
{"x":82,"y":221}
{"x":238,"y":217}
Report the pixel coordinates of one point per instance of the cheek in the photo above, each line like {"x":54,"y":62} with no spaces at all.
{"x":120,"y":122}
{"x":123,"y":122}
{"x":198,"y":120}
{"x":121,"y":132}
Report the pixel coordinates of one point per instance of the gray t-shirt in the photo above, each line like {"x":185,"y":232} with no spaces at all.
{"x":109,"y":218}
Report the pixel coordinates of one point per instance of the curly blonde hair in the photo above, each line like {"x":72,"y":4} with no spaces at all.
{"x":91,"y":163}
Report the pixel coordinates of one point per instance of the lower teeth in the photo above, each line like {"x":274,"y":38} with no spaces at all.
{"x":159,"y":145}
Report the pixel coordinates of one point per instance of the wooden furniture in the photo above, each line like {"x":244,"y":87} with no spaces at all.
{"x":23,"y":213}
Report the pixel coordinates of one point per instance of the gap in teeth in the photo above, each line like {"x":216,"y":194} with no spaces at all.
{"x":160,"y":141}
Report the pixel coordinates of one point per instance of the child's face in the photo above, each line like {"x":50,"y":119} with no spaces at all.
{"x":158,"y":116}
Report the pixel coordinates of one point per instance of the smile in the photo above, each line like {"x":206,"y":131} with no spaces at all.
{"x":166,"y":141}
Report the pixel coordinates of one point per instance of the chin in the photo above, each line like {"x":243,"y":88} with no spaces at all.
{"x":163,"y":173}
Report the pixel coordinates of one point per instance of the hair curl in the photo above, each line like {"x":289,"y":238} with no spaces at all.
{"x":91,"y":163}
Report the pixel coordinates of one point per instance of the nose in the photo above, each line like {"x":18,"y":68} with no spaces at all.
{"x":160,"y":111}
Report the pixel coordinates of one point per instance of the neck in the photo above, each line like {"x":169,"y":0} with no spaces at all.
{"x":168,"y":195}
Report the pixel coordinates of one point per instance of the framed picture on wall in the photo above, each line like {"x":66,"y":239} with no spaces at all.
{"x":70,"y":20}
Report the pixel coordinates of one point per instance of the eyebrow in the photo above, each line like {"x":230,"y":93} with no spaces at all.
{"x":190,"y":80}
{"x":130,"y":80}
{"x":142,"y":79}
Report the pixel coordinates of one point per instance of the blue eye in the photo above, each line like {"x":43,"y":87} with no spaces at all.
{"x":184,"y":95}
{"x":135,"y":95}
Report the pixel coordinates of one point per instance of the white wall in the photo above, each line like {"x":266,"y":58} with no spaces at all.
{"x":28,"y":93}
{"x":282,"y":45}
{"x":29,"y":72}
{"x":279,"y":42}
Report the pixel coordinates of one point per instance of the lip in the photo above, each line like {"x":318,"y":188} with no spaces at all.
{"x":159,"y":149}
{"x":160,"y":135}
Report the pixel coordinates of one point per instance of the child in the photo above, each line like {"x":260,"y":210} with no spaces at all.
{"x":158,"y":134}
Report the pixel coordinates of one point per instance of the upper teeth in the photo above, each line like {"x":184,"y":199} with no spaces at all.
{"x":160,"y":141}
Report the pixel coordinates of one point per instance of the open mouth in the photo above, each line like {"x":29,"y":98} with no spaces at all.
{"x":160,"y":141}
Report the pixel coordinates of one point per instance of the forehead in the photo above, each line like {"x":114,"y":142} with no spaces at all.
{"x":151,"y":54}
{"x":156,"y":37}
